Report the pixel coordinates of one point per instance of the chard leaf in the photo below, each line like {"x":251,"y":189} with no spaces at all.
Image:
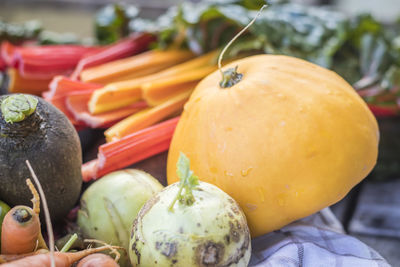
{"x":359,"y":49}
{"x":391,"y":79}
{"x":111,"y":23}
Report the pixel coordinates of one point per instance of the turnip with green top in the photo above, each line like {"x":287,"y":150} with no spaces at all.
{"x":190,"y":223}
{"x":110,"y":204}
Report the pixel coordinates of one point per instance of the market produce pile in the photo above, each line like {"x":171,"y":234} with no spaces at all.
{"x":269,"y":138}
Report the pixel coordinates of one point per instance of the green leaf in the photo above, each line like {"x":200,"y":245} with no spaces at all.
{"x":111,"y":23}
{"x":16,"y":33}
{"x":188,"y":182}
{"x":360,"y":49}
{"x":183,"y":168}
{"x":391,"y":78}
{"x":17,"y":107}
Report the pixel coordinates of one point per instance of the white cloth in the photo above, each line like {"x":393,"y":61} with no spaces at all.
{"x":317,"y":240}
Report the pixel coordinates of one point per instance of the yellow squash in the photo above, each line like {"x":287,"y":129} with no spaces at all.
{"x":287,"y":140}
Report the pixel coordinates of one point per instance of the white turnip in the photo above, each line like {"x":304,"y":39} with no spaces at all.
{"x":190,"y":223}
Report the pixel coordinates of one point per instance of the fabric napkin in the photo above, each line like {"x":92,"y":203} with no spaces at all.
{"x":317,"y":240}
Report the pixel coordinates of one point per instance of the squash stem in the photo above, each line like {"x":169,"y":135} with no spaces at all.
{"x":231,"y":77}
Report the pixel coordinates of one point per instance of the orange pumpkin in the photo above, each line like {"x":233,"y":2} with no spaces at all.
{"x":287,"y":140}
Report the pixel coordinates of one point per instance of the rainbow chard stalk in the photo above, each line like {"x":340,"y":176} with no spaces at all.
{"x":188,"y":182}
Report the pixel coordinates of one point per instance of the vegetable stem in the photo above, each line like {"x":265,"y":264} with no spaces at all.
{"x":171,"y":206}
{"x":46,"y":214}
{"x":188,"y":181}
{"x":230,"y":77}
{"x":69,"y":243}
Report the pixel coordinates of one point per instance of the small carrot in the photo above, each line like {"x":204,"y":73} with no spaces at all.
{"x":12,"y":257}
{"x":20,"y":231}
{"x":97,"y":260}
{"x":62,"y":259}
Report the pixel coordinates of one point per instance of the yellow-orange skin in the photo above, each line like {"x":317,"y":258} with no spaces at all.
{"x":286,"y":141}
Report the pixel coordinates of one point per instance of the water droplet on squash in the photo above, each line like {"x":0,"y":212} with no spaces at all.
{"x":364,"y":167}
{"x":213,"y":170}
{"x":281,"y":200}
{"x":281,"y":96}
{"x":228,"y":173}
{"x":311,"y":152}
{"x":283,"y":123}
{"x":251,"y":207}
{"x":261,"y":192}
{"x":246,"y":171}
{"x":186,"y":106}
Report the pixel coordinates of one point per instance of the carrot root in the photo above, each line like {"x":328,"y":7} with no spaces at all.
{"x":62,"y":259}
{"x":12,"y":257}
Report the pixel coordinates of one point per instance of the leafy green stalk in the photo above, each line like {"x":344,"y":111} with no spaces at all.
{"x":188,"y":182}
{"x":70,"y":242}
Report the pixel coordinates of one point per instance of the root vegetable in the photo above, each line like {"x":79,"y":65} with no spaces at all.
{"x":97,"y":260}
{"x":20,"y":230}
{"x":31,"y":128}
{"x":109,"y":206}
{"x":190,"y":223}
{"x":12,"y":257}
{"x":62,"y":259}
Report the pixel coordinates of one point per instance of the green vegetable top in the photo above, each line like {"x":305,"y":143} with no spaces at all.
{"x":362,"y":50}
{"x":112,"y":22}
{"x":16,"y":108}
{"x":188,"y":181}
{"x":4,"y":208}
